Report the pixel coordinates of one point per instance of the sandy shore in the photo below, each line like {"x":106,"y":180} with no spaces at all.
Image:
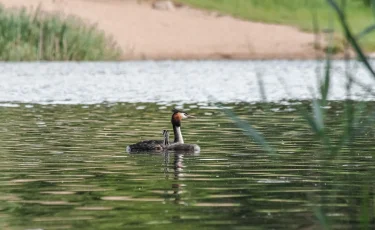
{"x":183,"y":33}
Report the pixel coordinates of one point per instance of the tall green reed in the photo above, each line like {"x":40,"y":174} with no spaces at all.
{"x":29,"y":36}
{"x":355,"y":121}
{"x":315,"y":116}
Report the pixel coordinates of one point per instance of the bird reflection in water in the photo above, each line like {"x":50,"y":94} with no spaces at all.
{"x":178,"y":187}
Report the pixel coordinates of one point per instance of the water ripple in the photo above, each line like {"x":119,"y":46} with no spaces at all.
{"x":65,"y":166}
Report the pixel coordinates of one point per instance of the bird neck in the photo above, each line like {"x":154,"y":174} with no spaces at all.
{"x":177,"y":134}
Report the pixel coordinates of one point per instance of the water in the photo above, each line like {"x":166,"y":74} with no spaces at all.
{"x":174,"y":82}
{"x":64,"y":166}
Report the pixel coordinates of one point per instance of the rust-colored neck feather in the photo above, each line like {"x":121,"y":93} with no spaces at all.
{"x":176,"y":119}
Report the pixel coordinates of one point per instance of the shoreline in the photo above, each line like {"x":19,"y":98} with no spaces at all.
{"x":145,"y":33}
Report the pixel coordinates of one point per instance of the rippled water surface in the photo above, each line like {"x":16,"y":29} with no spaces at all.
{"x":65,"y":166}
{"x":184,"y":82}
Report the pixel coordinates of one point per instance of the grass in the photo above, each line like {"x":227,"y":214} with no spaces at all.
{"x":354,"y":121}
{"x":296,"y":13}
{"x":30,"y":36}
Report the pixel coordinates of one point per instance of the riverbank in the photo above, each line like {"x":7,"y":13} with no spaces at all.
{"x":297,"y":13}
{"x":143,"y":32}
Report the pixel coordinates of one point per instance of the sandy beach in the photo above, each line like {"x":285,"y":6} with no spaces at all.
{"x":144,"y":32}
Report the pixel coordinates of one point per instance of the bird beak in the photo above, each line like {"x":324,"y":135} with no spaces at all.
{"x":191,"y":116}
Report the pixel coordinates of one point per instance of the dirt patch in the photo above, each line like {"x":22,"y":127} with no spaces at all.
{"x":144,"y":32}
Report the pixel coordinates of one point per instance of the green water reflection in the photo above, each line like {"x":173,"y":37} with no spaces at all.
{"x":65,"y":167}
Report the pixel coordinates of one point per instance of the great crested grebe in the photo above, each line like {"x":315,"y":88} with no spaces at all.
{"x":178,"y":143}
{"x":158,"y":145}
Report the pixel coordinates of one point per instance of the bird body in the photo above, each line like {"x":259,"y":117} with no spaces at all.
{"x":177,"y":147}
{"x":148,"y":145}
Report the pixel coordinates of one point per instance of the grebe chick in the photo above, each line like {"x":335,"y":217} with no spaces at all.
{"x":150,"y":145}
{"x":166,"y":138}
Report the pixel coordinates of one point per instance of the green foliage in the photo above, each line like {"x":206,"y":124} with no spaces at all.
{"x":367,"y":2}
{"x":296,"y":13}
{"x":354,"y":121}
{"x":26,"y":36}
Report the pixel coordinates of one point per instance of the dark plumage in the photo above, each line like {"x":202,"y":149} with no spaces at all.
{"x":149,"y":145}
